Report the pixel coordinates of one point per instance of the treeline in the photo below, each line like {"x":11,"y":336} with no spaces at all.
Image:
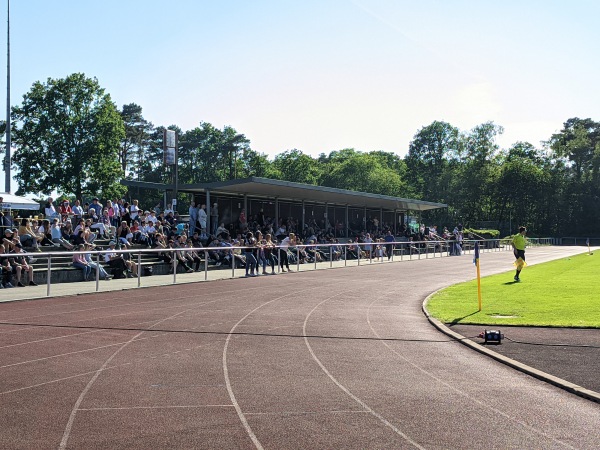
{"x":71,"y":137}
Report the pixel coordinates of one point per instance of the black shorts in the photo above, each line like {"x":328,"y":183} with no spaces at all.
{"x":520,"y":254}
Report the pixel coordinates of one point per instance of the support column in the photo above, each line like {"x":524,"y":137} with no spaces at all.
{"x":380,"y":218}
{"x":276,"y":214}
{"x":365,"y":218}
{"x":208,"y":204}
{"x":347,"y":224}
{"x":303,"y":217}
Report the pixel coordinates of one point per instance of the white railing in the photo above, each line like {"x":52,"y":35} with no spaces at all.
{"x":348,"y":254}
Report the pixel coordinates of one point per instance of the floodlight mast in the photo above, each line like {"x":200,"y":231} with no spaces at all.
{"x":8,"y":143}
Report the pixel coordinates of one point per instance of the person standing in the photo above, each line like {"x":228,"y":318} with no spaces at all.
{"x":284,"y":262}
{"x":249,"y":249}
{"x":214,"y":218}
{"x":389,"y":244}
{"x":518,"y":243}
{"x":202,"y":218}
{"x":193,"y":217}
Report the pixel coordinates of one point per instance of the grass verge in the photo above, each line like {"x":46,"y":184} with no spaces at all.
{"x":562,"y":293}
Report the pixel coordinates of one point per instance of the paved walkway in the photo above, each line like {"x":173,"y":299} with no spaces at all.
{"x":321,"y":359}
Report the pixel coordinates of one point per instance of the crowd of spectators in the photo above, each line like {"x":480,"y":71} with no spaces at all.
{"x":253,"y":242}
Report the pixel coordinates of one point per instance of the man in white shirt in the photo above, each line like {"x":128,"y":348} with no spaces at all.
{"x":202,"y":218}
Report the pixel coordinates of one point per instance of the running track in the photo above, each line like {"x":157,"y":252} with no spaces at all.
{"x":339,"y":358}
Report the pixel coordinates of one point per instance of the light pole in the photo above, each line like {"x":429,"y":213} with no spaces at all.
{"x":8,"y":143}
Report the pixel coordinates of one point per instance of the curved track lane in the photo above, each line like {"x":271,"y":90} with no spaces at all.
{"x":328,"y":359}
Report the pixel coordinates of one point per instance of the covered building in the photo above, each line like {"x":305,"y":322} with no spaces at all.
{"x":342,"y":209}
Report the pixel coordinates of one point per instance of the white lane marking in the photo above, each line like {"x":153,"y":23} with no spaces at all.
{"x":482,"y":404}
{"x":71,"y":421}
{"x":72,"y":353}
{"x":309,"y":413}
{"x":142,"y":295}
{"x":128,"y":408}
{"x":344,"y":388}
{"x":58,"y":380}
{"x":238,"y":409}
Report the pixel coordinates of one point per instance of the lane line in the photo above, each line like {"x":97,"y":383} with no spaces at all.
{"x":129,"y":408}
{"x":345,"y":389}
{"x":460,"y":392}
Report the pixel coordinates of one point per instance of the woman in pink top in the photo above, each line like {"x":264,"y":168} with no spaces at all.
{"x":80,"y":262}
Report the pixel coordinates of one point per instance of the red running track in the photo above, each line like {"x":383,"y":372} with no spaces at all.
{"x":339,"y":358}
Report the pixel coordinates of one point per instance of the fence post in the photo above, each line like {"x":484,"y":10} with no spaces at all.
{"x":139,"y":268}
{"x":174,"y":253}
{"x":49,"y":276}
{"x":206,"y":265}
{"x":97,"y":272}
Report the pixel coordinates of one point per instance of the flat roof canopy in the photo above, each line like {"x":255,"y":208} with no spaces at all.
{"x":290,"y":191}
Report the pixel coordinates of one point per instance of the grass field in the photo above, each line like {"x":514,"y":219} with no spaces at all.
{"x":563,"y":293}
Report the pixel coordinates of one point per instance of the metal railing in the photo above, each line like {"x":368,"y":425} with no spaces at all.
{"x":337,"y":254}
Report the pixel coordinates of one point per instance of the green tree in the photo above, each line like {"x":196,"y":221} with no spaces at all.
{"x":293,"y":165}
{"x":429,"y":156}
{"x":364,"y":172}
{"x":138,"y":132}
{"x":68,"y":133}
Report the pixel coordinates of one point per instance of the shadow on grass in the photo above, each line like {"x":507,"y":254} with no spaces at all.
{"x":508,"y":283}
{"x":456,"y":321}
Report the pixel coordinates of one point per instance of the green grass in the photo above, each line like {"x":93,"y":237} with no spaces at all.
{"x":562,"y":293}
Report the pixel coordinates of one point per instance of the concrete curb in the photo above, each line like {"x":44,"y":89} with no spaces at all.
{"x":558,"y":382}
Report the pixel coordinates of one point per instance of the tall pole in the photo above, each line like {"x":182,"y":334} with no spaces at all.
{"x":8,"y":144}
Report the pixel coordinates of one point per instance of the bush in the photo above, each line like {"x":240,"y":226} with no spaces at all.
{"x":484,"y":234}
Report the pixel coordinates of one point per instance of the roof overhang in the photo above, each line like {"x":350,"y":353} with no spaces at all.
{"x":290,"y":191}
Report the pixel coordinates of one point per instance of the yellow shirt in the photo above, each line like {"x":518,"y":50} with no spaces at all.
{"x":519,"y":241}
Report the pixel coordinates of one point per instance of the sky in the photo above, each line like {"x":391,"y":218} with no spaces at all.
{"x":321,"y":75}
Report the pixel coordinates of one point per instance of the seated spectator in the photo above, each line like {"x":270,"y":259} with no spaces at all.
{"x":6,"y":269}
{"x":67,"y":230}
{"x":65,"y":210}
{"x":160,"y":243}
{"x":215,"y":255}
{"x":49,"y":209}
{"x":94,"y":265}
{"x":96,"y":206}
{"x":80,"y":262}
{"x":46,"y":234}
{"x":19,"y":265}
{"x":222,"y":231}
{"x":109,"y":230}
{"x":57,"y":238}
{"x":124,"y":234}
{"x":9,"y":240}
{"x":77,"y":211}
{"x":196,"y":242}
{"x":192,"y":255}
{"x":118,"y":264}
{"x":181,"y":256}
{"x":27,"y":235}
{"x":134,"y":210}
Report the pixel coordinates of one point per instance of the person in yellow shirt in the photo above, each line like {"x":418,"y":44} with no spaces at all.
{"x":518,"y":243}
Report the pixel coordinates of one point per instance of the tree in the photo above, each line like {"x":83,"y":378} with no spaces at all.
{"x":429,"y":155}
{"x":298,"y":167}
{"x":364,"y":172}
{"x":68,"y":133}
{"x":137,"y":134}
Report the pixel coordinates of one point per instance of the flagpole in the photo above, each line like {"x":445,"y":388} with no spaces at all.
{"x":476,"y":261}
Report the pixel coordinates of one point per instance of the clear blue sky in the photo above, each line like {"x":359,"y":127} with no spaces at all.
{"x":321,"y":75}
